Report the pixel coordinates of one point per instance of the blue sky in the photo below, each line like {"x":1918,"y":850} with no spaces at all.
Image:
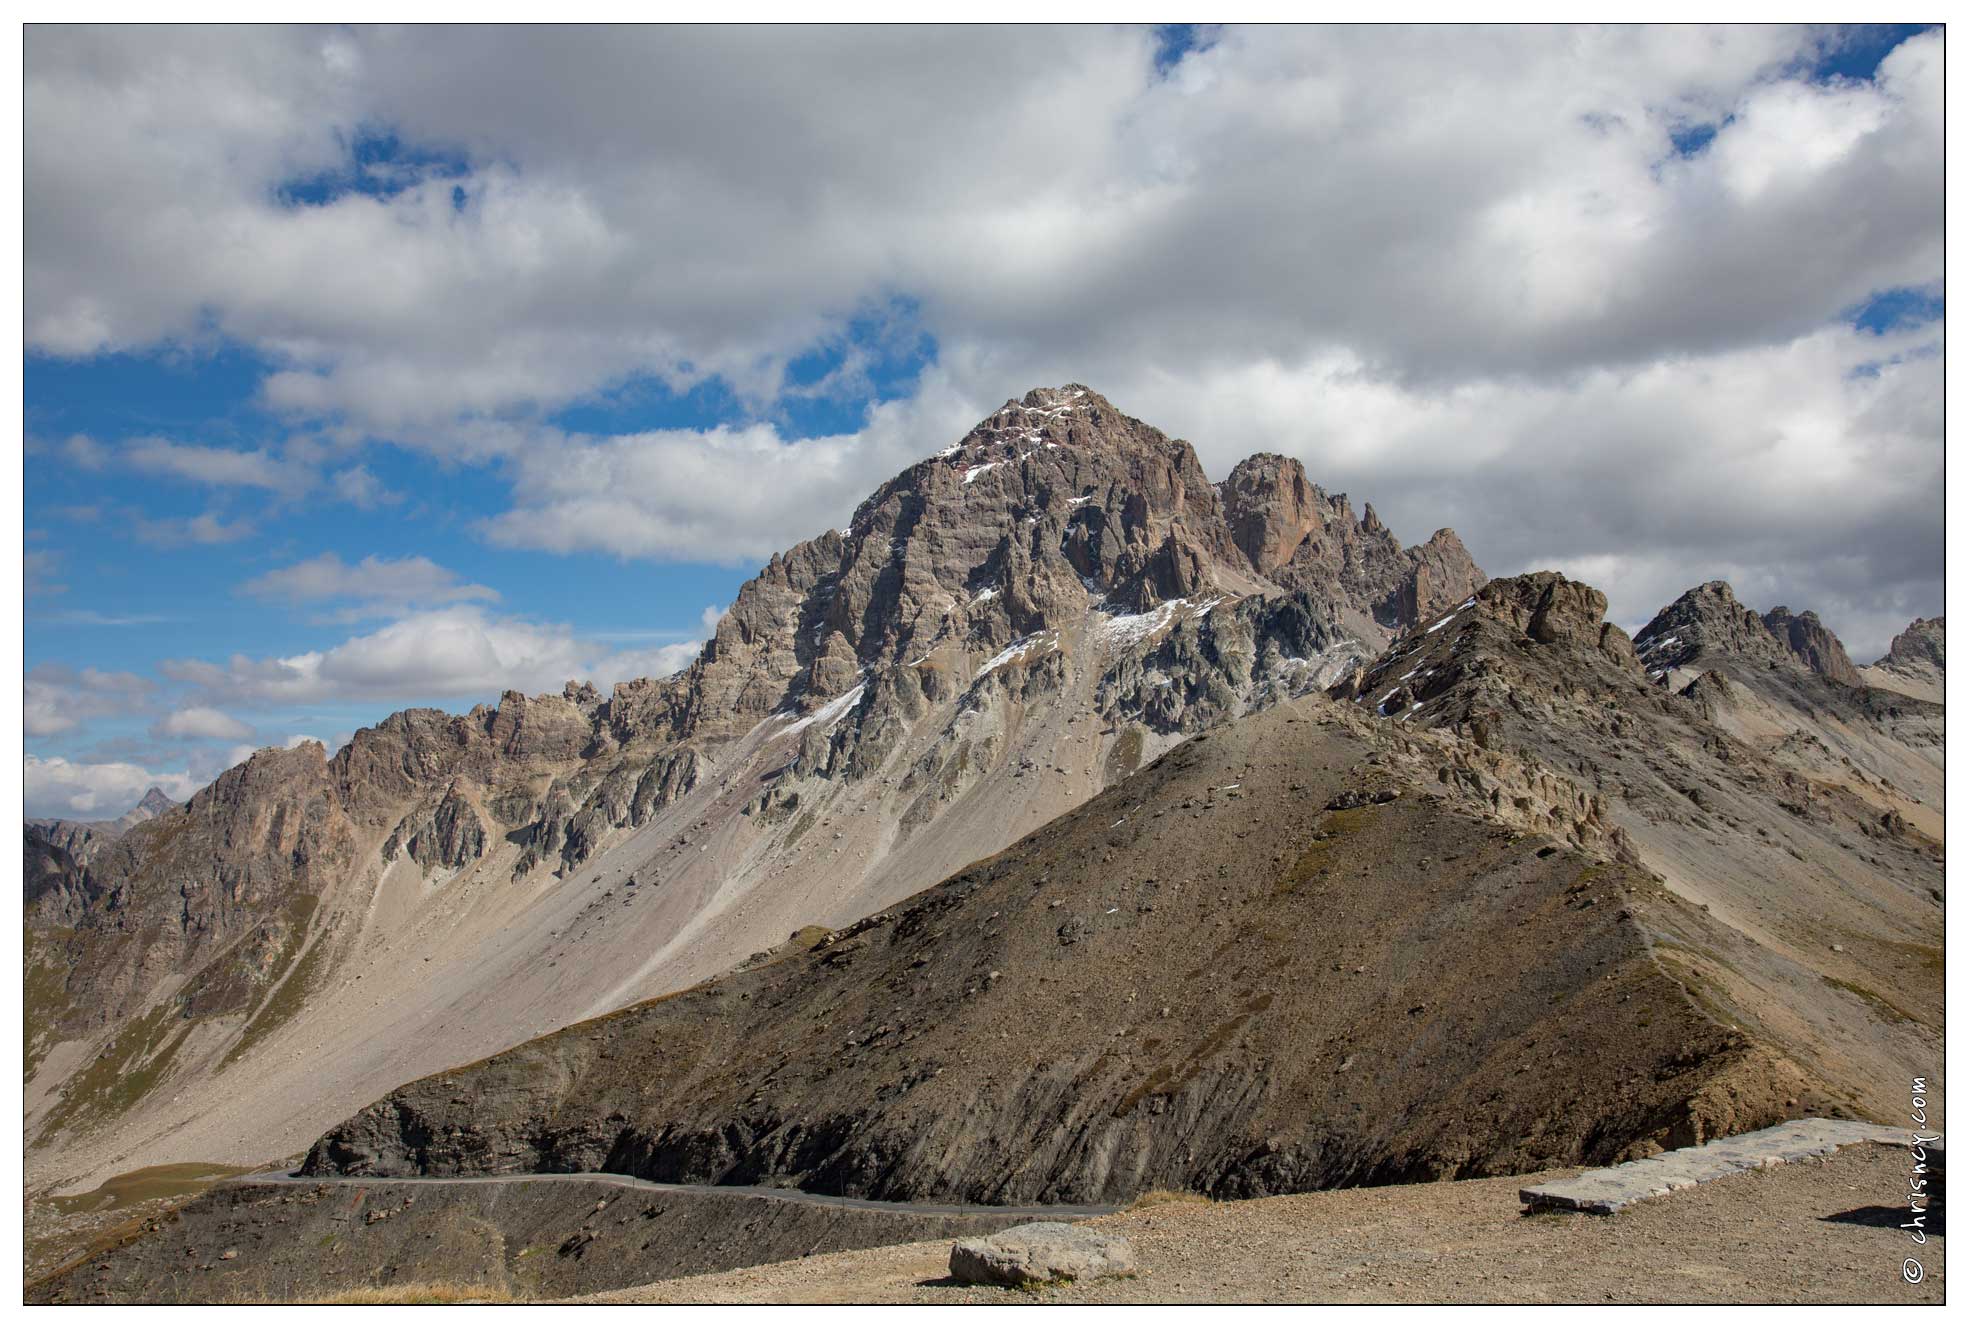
{"x":91,"y":519}
{"x":487,"y":358}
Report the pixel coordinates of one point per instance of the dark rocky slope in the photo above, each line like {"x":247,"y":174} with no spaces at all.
{"x":513,"y":1240}
{"x":1288,"y":955}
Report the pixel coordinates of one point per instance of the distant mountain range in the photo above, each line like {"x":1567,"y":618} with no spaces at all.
{"x":57,"y":848}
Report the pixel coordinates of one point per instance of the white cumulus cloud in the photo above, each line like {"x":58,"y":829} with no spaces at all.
{"x":200,"y":722}
{"x":379,"y":584}
{"x":456,"y":653}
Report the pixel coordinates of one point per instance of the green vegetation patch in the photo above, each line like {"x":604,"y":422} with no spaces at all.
{"x":236,"y":980}
{"x":164,"y":1182}
{"x":1928,"y":958}
{"x":1591,"y":874}
{"x":284,"y":1004}
{"x":126,"y":1070}
{"x":44,"y":994}
{"x":1126,"y":754}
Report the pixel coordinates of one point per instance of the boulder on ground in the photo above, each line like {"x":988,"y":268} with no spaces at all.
{"x":1040,"y":1253}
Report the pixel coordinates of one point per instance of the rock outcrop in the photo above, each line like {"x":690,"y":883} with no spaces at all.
{"x":1551,"y":609}
{"x":1441,"y":574}
{"x":1914,"y":666}
{"x":1816,"y":648}
{"x":55,"y":884}
{"x":1037,"y":1253}
{"x":1919,"y":643}
{"x":1271,"y":508}
{"x":448,"y":834}
{"x":1295,"y":534}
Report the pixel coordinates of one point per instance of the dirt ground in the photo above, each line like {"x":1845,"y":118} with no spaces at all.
{"x":1822,"y":1231}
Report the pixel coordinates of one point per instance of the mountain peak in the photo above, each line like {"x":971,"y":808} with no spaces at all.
{"x":1067,"y":395}
{"x":1705,"y":621}
{"x":1069,"y":416}
{"x":1921,"y":642}
{"x":1055,"y":505}
{"x":1708,"y":621}
{"x":1914,"y":664}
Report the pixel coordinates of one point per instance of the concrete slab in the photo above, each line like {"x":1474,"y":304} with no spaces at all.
{"x":1608,"y":1190}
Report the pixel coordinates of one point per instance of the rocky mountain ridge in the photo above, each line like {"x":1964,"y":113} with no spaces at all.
{"x":1801,"y":814}
{"x":1920,"y":643}
{"x":58,"y":851}
{"x":1707,"y":623}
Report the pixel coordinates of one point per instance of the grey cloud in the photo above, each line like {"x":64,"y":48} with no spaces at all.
{"x":85,"y":452}
{"x":359,"y":487}
{"x":57,"y":787}
{"x":1444,"y":201}
{"x":39,"y":568}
